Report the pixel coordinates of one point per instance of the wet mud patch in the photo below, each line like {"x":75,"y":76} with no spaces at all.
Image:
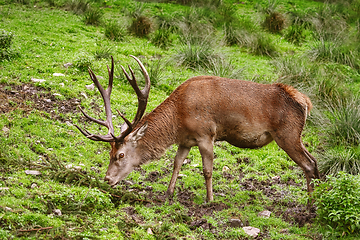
{"x":27,"y":97}
{"x":291,"y":212}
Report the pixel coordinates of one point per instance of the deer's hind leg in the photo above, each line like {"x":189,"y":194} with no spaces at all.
{"x":292,"y":144}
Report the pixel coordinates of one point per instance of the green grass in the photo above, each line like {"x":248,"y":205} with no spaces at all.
{"x":54,"y":33}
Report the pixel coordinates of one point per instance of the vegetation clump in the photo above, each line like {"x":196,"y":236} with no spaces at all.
{"x":338,"y":203}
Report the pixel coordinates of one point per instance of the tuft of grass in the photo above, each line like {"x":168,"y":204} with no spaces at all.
{"x":78,"y":6}
{"x":344,"y":122}
{"x":114,"y":31}
{"x":104,"y":52}
{"x":93,"y":16}
{"x":339,"y":159}
{"x":336,"y":52}
{"x":141,"y":25}
{"x":222,"y":68}
{"x":83,"y":62}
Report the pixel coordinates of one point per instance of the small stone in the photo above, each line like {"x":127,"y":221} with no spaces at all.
{"x":251,"y":231}
{"x":186,"y":161}
{"x":47,"y":100}
{"x":38,"y":80}
{"x":284,"y":230}
{"x":235,"y":223}
{"x":4,"y":188}
{"x":103,"y":229}
{"x":57,"y":94}
{"x":50,"y":149}
{"x":84,"y":95}
{"x":77,"y":168}
{"x":90,"y":87}
{"x":37,"y":56}
{"x":8,"y":209}
{"x":182,"y":175}
{"x":276,"y":178}
{"x":68,"y":65}
{"x":225,"y":169}
{"x":33,"y":185}
{"x":58,"y":75}
{"x":61,"y":84}
{"x":57,"y":212}
{"x":68,"y":166}
{"x":5,"y":130}
{"x":100,"y":77}
{"x":68,"y":123}
{"x":32,"y":172}
{"x":220,"y":194}
{"x":149,"y":231}
{"x":264,"y":214}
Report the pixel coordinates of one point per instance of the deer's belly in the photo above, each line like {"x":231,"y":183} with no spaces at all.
{"x":249,"y":140}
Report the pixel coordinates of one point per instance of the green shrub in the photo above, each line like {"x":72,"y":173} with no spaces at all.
{"x":115,"y":31}
{"x":338,"y":203}
{"x":6,"y":39}
{"x":93,"y":16}
{"x":141,"y":25}
{"x":222,"y":68}
{"x":262,"y":44}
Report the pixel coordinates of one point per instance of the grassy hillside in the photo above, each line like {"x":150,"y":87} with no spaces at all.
{"x":46,"y":47}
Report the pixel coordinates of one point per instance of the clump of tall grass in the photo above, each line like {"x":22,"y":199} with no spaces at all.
{"x":103,"y":52}
{"x":93,"y":16}
{"x":141,"y":25}
{"x":156,"y":70}
{"x":6,"y":40}
{"x":328,"y":25}
{"x":222,"y":68}
{"x":339,"y":159}
{"x":114,"y":31}
{"x":274,"y":21}
{"x":163,"y":36}
{"x":77,"y":6}
{"x":335,"y":51}
{"x":344,"y":122}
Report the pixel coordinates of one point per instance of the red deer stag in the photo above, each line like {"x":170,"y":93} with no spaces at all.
{"x":199,"y":112}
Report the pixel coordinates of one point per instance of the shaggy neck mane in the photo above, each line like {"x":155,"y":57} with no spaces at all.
{"x":161,"y":132}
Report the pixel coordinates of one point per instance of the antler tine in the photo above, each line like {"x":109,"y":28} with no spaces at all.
{"x":142,"y":95}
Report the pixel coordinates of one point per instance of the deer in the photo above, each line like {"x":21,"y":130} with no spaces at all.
{"x":199,"y":112}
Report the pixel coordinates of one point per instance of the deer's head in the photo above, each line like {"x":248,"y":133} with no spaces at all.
{"x":125,"y":152}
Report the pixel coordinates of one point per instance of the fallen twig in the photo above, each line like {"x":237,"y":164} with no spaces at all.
{"x":35,"y":229}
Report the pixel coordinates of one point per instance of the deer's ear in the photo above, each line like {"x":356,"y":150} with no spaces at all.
{"x":139,"y":133}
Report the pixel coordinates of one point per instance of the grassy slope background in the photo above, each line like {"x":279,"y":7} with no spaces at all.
{"x":36,"y":133}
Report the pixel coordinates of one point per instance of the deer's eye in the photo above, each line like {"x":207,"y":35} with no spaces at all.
{"x":121,"y":155}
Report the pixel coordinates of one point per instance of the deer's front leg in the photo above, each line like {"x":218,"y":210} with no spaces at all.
{"x":207,"y":155}
{"x":181,"y":154}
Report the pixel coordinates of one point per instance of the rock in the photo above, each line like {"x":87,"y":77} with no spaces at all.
{"x":38,"y":80}
{"x":186,"y":161}
{"x":8,"y":209}
{"x":100,"y":77}
{"x":57,"y":212}
{"x":5,"y":130}
{"x":4,"y":188}
{"x":90,"y":87}
{"x":220,"y":194}
{"x":58,"y":75}
{"x":235,"y":223}
{"x":182,"y":175}
{"x":57,"y":94}
{"x":225,"y":168}
{"x":84,"y":95}
{"x":77,"y":168}
{"x":264,"y":214}
{"x":33,"y":185}
{"x":149,"y":231}
{"x":32,"y":172}
{"x":284,"y":230}
{"x":67,"y":65}
{"x":103,"y":229}
{"x":50,"y":149}
{"x":251,"y":231}
{"x":276,"y":178}
{"x":61,"y":84}
{"x":68,"y":166}
{"x":47,"y":100}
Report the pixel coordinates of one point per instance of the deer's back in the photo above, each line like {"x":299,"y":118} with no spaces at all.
{"x":241,"y":112}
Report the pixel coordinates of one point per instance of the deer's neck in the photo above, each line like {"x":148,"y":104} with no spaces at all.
{"x":161,"y":133}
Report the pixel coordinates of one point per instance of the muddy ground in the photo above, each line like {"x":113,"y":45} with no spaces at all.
{"x":27,"y":97}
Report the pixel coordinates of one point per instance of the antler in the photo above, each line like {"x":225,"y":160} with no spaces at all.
{"x":142,"y":100}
